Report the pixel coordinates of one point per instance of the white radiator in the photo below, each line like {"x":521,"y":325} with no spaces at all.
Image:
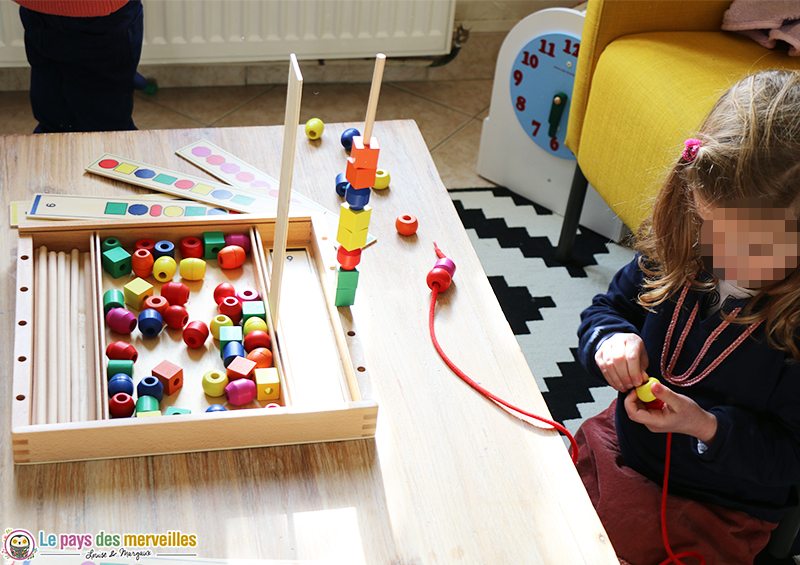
{"x":230,"y":31}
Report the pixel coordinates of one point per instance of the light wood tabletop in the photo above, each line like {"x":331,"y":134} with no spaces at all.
{"x":449,"y":477}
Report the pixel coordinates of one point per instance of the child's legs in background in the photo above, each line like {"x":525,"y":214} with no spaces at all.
{"x":82,"y":69}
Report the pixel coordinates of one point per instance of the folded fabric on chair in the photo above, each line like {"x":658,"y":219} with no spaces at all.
{"x":766,"y":22}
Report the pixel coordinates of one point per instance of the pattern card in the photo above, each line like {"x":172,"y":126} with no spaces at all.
{"x":65,"y":207}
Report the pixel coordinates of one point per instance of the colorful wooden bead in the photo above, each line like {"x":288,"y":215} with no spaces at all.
{"x":136,"y":291}
{"x":256,"y":339}
{"x":232,"y":308}
{"x":261,"y":356}
{"x":241,"y":392}
{"x":164,"y":249}
{"x":113,"y":298}
{"x":247,"y":295}
{"x":254,"y":309}
{"x":121,"y":405}
{"x":195,"y":334}
{"x":148,"y":244}
{"x":341,"y":184}
{"x":164,"y":268}
{"x":157,"y":303}
{"x":233,"y":350}
{"x":231,"y":257}
{"x":193,"y":269}
{"x":142,"y":263}
{"x":646,"y":395}
{"x":346,"y":278}
{"x":151,"y":386}
{"x":359,"y":178}
{"x":170,"y":375}
{"x":120,"y":383}
{"x":110,"y":243}
{"x":214,"y":383}
{"x":146,"y":404}
{"x":119,"y":350}
{"x":439,"y":277}
{"x":217,"y":322}
{"x":222,"y":290}
{"x":213,"y":242}
{"x":176,"y":293}
{"x":351,"y":240}
{"x":176,"y":317}
{"x":121,"y":321}
{"x":354,"y":220}
{"x":314,"y":128}
{"x":365,"y":156}
{"x":148,"y":413}
{"x":357,"y":197}
{"x":175,"y":411}
{"x":117,"y":366}
{"x":255,"y":324}
{"x":216,"y":408}
{"x":406,"y":224}
{"x":228,"y":334}
{"x":345,"y":297}
{"x":382,"y":179}
{"x":347,"y":137}
{"x":348,"y":260}
{"x":191,"y":247}
{"x":241,"y":368}
{"x":150,"y":322}
{"x":116,"y":262}
{"x":268,"y":383}
{"x":240,"y":239}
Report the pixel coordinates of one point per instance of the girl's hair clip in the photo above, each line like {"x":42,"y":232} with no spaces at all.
{"x":691,"y":146}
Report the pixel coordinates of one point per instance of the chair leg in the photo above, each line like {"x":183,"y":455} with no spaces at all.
{"x":783,"y":537}
{"x":577,"y":194}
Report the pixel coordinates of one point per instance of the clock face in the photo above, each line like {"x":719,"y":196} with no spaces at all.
{"x":543,"y":69}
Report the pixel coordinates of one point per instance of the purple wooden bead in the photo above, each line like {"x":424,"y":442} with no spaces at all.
{"x":247,"y":294}
{"x":447,"y":265}
{"x":239,"y":239}
{"x":121,"y":321}
{"x":241,"y":391}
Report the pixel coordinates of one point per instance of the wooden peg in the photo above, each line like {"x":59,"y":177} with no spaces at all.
{"x":374,"y":93}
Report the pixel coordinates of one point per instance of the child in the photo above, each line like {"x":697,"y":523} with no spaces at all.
{"x":709,"y":306}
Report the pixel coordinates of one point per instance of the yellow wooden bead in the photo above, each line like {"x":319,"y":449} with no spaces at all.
{"x":644,"y":393}
{"x":193,"y":269}
{"x":136,"y":292}
{"x":268,"y":383}
{"x":253,"y":324}
{"x":314,"y":128}
{"x":382,"y":179}
{"x":214,"y":383}
{"x":217,"y":322}
{"x":164,"y":268}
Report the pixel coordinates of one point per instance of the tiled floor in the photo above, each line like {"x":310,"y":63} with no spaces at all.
{"x":448,"y":113}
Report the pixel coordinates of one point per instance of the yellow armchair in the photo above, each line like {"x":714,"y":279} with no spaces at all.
{"x":648,"y":72}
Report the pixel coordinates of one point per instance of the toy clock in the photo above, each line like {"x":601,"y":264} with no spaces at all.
{"x":522,"y":140}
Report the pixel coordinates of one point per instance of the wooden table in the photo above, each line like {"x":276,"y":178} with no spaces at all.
{"x":449,"y":477}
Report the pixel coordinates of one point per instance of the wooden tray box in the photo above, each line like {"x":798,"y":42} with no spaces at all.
{"x":320,"y":396}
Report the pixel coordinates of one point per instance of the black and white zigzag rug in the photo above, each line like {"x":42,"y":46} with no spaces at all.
{"x":542,"y":299}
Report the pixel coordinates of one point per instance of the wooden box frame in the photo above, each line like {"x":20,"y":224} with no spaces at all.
{"x":104,"y":438}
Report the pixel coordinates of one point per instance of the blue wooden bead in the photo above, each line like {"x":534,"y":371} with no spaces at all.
{"x":347,"y":137}
{"x":120,"y":383}
{"x":150,"y":322}
{"x":341,"y":184}
{"x":150,"y":386}
{"x":357,"y":197}
{"x":233,"y":350}
{"x":216,"y":408}
{"x":163,"y":248}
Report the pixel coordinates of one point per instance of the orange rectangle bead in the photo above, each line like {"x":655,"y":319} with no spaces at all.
{"x":365,"y":156}
{"x":359,"y":178}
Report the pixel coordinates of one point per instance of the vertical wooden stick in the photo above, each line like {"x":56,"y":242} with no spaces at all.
{"x":291,"y":121}
{"x":40,"y":346}
{"x":62,"y":361}
{"x":74,"y":355}
{"x":52,"y":337}
{"x":90,"y":394}
{"x":374,"y":93}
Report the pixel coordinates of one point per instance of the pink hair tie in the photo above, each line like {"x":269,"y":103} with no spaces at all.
{"x":690,"y":149}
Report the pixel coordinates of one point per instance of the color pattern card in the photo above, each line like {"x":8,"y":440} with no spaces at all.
{"x":65,"y":207}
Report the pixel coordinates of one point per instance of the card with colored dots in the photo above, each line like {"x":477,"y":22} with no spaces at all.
{"x":67,"y":207}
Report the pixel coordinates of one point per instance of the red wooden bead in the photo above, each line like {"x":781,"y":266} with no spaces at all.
{"x":176,"y":317}
{"x":256,"y":339}
{"x":223,"y":290}
{"x":176,"y":293}
{"x":262,"y":357}
{"x":348,"y":259}
{"x":120,"y":350}
{"x":142,"y":263}
{"x":148,"y":244}
{"x":406,"y":224}
{"x":232,"y":308}
{"x":157,"y":303}
{"x":231,"y":257}
{"x":240,"y":239}
{"x":121,"y":405}
{"x":439,"y":276}
{"x":191,"y":247}
{"x":195,"y":334}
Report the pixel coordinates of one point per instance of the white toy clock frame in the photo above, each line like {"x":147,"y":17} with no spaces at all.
{"x":522,"y":140}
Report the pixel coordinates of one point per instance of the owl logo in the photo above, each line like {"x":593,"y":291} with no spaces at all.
{"x":19,"y":545}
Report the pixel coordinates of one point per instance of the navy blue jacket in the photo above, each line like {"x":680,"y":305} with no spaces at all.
{"x":755,"y":394}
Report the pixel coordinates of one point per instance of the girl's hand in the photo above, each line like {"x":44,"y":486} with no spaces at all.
{"x":680,"y":414}
{"x":623,"y":361}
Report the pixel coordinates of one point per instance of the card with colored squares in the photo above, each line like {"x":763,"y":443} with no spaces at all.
{"x":67,"y":207}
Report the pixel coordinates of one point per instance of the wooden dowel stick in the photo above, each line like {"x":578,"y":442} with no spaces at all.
{"x":52,"y":337}
{"x":291,"y":121}
{"x":74,"y":355}
{"x":90,"y":396}
{"x":374,"y":93}
{"x":40,"y":394}
{"x":80,"y":334}
{"x":62,"y":361}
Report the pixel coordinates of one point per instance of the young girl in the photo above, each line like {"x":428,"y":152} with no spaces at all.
{"x":709,"y":306}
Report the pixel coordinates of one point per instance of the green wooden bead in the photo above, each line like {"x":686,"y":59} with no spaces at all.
{"x":113,"y":298}
{"x":213,"y":242}
{"x":117,"y":262}
{"x":173,"y":411}
{"x":146,"y":404}
{"x":116,"y":366}
{"x":253,"y":308}
{"x":228,"y":334}
{"x":110,"y":243}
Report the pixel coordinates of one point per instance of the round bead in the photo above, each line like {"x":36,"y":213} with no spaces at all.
{"x":348,"y":259}
{"x":241,"y":392}
{"x":446,"y":264}
{"x":231,"y":257}
{"x":440,"y":277}
{"x":164,"y":268}
{"x":146,"y":403}
{"x":176,"y":317}
{"x":195,"y":334}
{"x":113,"y":298}
{"x":117,"y":366}
{"x":151,"y":386}
{"x":121,"y":321}
{"x":240,"y":239}
{"x":262,"y":357}
{"x":382,"y":179}
{"x":150,"y":322}
{"x":223,"y":290}
{"x":357,"y":197}
{"x":176,"y":293}
{"x":232,"y":308}
{"x":121,"y":405}
{"x":347,"y":137}
{"x":253,"y":324}
{"x":191,"y":247}
{"x":110,"y":243}
{"x":273,"y":405}
{"x":120,"y":383}
{"x":233,"y":350}
{"x":218,"y":321}
{"x":644,"y":393}
{"x":314,"y":128}
{"x":119,"y":350}
{"x":214,"y":383}
{"x":341,"y":184}
{"x":142,"y":263}
{"x":257,"y":339}
{"x":164,"y":249}
{"x":193,"y":269}
{"x":148,"y":244}
{"x":157,"y":303}
{"x":406,"y":224}
{"x":216,"y":408}
{"x":247,"y":295}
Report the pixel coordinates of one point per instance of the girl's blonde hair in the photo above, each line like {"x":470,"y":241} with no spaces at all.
{"x":749,"y":148}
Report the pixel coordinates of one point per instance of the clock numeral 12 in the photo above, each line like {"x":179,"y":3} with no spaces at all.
{"x":570,"y":48}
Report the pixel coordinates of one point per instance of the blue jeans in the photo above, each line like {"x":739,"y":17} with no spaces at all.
{"x":82,"y":69}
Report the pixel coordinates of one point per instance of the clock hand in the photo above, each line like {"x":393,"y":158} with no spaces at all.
{"x":556,"y":111}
